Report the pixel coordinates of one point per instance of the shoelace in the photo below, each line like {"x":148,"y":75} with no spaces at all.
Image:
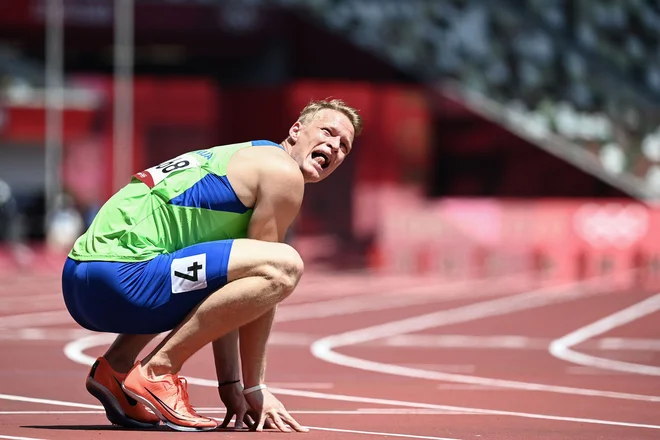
{"x":182,"y":388}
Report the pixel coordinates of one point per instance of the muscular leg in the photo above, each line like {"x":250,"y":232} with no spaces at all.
{"x":260,"y":275}
{"x":125,"y":349}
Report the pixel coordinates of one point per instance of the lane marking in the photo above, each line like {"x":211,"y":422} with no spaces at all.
{"x":402,"y":403}
{"x":512,"y":342}
{"x":370,"y":400}
{"x":359,"y":411}
{"x":447,"y":368}
{"x":467,"y":341}
{"x":47,"y":401}
{"x":394,"y":297}
{"x":45,"y":413}
{"x":37,"y":318}
{"x":465,"y":387}
{"x":74,"y":352}
{"x":9,"y":437}
{"x":76,"y":355}
{"x":398,"y":298}
{"x":324,"y":348}
{"x":590,"y":371}
{"x":386,"y":434}
{"x":376,"y":401}
{"x":304,"y":385}
{"x":41,"y":334}
{"x":626,"y":344}
{"x":561,"y":348}
{"x":30,"y":302}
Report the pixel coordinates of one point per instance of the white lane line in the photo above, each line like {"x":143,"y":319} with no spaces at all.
{"x":41,"y":334}
{"x":399,"y":298}
{"x":465,"y":387}
{"x":467,"y":341}
{"x":625,"y":344}
{"x":304,"y":385}
{"x":9,"y":437}
{"x":590,"y":371}
{"x":31,"y":302}
{"x":561,"y":348}
{"x":490,"y":287}
{"x":75,"y":353}
{"x":382,"y":434}
{"x":202,"y":410}
{"x":324,"y":348}
{"x":499,"y":342}
{"x":46,"y":413}
{"x":403,"y":403}
{"x":447,"y":368}
{"x":376,"y":401}
{"x":47,"y":401}
{"x":75,"y":349}
{"x":389,"y":299}
{"x":37,"y":318}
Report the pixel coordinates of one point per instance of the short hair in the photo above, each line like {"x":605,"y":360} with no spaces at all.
{"x":314,"y":107}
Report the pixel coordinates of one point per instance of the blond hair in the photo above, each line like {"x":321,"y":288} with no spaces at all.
{"x":310,"y":110}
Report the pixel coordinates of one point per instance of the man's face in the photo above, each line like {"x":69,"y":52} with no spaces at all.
{"x":321,"y":144}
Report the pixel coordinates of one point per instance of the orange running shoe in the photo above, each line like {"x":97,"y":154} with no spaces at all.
{"x":104,"y":383}
{"x":168,"y":398}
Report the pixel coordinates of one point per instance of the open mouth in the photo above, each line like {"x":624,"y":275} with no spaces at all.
{"x":321,"y":159}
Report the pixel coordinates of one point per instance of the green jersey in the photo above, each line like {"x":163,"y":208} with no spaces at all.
{"x":181,"y":202}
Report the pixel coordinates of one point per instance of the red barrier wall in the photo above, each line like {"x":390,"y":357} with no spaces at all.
{"x":559,"y":240}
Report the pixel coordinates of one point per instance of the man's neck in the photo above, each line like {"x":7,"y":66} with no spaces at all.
{"x":287,"y":146}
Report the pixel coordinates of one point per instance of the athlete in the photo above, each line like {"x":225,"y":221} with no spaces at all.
{"x":194,"y":246}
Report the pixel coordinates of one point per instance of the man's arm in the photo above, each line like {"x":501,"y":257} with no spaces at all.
{"x":225,"y":353}
{"x":269,"y":181}
{"x":280,"y":188}
{"x":227,"y":368}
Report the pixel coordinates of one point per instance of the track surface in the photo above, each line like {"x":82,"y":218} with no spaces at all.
{"x":359,"y":357}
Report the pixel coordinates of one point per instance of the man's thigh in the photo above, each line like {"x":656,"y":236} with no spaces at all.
{"x":257,"y":258}
{"x":153,"y":296}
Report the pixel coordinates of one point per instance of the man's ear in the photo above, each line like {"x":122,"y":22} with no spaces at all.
{"x":294,"y":131}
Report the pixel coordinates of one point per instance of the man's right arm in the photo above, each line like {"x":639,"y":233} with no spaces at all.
{"x":279,"y":194}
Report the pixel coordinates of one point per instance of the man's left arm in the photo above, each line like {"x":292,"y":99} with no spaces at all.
{"x":228,"y":371}
{"x":225,"y":354}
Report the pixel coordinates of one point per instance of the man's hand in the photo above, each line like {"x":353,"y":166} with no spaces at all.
{"x":232,"y":396}
{"x":270,"y":411}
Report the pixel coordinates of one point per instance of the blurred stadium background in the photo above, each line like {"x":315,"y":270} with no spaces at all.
{"x":500,"y":136}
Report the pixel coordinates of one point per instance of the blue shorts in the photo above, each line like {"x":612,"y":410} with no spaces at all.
{"x":144,"y":297}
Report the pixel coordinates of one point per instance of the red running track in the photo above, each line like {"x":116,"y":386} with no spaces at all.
{"x":359,"y":357}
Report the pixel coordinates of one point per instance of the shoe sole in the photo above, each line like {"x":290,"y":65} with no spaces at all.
{"x":164,"y":419}
{"x":113,"y":410}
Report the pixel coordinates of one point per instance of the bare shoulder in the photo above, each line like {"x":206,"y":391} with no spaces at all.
{"x":265,"y":170}
{"x":270,"y":163}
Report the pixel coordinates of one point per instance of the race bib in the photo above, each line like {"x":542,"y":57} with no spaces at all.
{"x":188,"y":273}
{"x":154,"y":175}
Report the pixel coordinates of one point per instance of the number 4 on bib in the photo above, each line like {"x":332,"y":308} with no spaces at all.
{"x":154,"y":175}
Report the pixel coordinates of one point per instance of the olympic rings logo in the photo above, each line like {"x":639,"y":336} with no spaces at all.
{"x":612,"y":224}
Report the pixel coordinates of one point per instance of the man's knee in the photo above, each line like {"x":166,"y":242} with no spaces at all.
{"x":278,"y":263}
{"x":285,"y":270}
